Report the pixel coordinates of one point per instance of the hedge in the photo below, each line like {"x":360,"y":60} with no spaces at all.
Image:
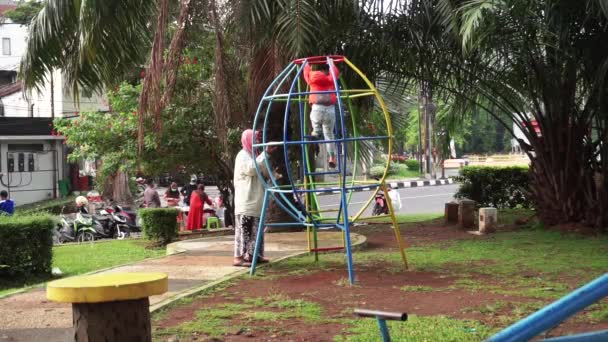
{"x":48,"y":206}
{"x":412,"y":164}
{"x":159,"y":224}
{"x":394,"y":168}
{"x":27,"y":245}
{"x":498,"y":187}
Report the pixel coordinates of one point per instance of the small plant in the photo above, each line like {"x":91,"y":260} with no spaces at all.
{"x":412,"y":164}
{"x":159,"y":224}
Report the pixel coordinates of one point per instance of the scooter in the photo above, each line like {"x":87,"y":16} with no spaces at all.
{"x":380,"y":206}
{"x":114,"y":226}
{"x":129,"y":216}
{"x":75,"y":228}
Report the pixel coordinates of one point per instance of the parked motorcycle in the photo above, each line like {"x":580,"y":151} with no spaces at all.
{"x":75,"y":228}
{"x":114,"y":226}
{"x":129,"y":216}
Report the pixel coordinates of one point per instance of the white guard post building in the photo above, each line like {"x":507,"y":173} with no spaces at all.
{"x":32,"y":158}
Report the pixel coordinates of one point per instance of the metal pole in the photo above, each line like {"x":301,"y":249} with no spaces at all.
{"x":386,"y":337}
{"x":554,"y":313}
{"x":260,"y":235}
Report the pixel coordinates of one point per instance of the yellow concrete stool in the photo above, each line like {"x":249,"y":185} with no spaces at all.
{"x":110,"y":307}
{"x":213,"y":222}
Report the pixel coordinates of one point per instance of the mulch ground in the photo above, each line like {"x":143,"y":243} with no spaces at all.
{"x":375,"y":289}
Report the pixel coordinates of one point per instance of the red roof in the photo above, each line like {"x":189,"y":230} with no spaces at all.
{"x":10,"y":89}
{"x":4,"y":8}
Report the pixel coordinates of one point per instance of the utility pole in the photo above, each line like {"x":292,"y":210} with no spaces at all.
{"x":52,"y":96}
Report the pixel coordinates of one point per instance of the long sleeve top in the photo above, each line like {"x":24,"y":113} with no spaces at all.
{"x":248,"y":187}
{"x":319,"y":81}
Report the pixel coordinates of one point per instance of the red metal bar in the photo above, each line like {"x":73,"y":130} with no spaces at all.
{"x":319,"y":59}
{"x":326,"y":249}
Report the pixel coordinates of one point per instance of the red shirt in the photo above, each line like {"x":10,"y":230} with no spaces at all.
{"x":319,"y":81}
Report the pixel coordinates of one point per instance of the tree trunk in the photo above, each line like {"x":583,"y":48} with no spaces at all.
{"x":120,"y":188}
{"x":566,"y":178}
{"x":127,"y":320}
{"x":277,"y":160}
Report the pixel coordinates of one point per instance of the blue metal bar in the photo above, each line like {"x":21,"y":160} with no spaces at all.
{"x":285,"y":137}
{"x":260,"y":235}
{"x":594,"y":336}
{"x":303,"y":93}
{"x":310,"y":142}
{"x":386,"y":336}
{"x":284,"y":203}
{"x":322,"y":190}
{"x":288,"y":69}
{"x":556,"y":312}
{"x":343,"y":201}
{"x":322,"y":173}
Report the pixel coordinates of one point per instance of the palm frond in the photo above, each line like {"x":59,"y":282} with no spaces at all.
{"x":94,"y":43}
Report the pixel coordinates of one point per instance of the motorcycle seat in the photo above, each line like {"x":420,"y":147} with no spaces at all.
{"x":101,"y":218}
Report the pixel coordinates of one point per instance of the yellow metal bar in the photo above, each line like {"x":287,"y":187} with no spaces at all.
{"x":359,"y":95}
{"x":396,"y":229}
{"x":389,"y":127}
{"x":323,"y":211}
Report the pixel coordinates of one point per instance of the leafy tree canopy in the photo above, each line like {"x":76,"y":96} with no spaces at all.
{"x":25,"y":12}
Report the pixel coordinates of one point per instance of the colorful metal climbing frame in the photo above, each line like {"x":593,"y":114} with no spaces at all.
{"x":290,"y":94}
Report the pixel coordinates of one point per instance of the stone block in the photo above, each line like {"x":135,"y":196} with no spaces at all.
{"x":451,"y":213}
{"x":466,"y":213}
{"x":488,"y":218}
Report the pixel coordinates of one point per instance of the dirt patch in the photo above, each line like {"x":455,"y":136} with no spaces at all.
{"x":417,"y":234}
{"x":414,"y":292}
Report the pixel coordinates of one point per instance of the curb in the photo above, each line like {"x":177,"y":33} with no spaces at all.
{"x":359,"y":243}
{"x":394,"y":185}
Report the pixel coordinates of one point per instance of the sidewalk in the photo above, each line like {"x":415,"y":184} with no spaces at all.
{"x":30,"y":317}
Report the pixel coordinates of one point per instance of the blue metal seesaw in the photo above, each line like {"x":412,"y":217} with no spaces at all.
{"x":555,"y":313}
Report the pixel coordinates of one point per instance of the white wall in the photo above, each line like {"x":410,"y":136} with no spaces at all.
{"x":63,"y":100}
{"x":15,"y":105}
{"x":16,"y":182}
{"x":18,"y":37}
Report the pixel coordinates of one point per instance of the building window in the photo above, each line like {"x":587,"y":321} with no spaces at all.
{"x":6,"y":46}
{"x":1,"y":109}
{"x":31,"y":111}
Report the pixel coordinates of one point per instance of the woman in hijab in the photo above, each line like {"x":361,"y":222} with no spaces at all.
{"x":172,"y":195}
{"x":248,"y":198}
{"x":197,"y":200}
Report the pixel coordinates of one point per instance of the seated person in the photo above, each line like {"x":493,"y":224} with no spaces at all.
{"x":172,"y":195}
{"x":81,"y":205}
{"x":7,"y":206}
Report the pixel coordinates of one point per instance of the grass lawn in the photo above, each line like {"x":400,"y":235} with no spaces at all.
{"x":404,"y":174}
{"x":460,"y":287}
{"x":73,"y":259}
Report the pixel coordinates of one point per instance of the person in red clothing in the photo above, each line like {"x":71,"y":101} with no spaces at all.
{"x":323,"y":113}
{"x":197,"y":200}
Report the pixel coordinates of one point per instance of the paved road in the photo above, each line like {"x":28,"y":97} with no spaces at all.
{"x":418,"y":200}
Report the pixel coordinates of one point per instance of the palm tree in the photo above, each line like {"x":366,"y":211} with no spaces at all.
{"x":544,"y":62}
{"x":95,"y":43}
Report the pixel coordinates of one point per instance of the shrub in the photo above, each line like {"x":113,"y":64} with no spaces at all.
{"x":53,"y":206}
{"x":413,"y":164}
{"x":159,"y":224}
{"x":499,"y":187}
{"x":376,"y":171}
{"x":27,"y":245}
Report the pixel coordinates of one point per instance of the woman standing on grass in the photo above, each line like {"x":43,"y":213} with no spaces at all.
{"x":248,"y":198}
{"x":197,"y":201}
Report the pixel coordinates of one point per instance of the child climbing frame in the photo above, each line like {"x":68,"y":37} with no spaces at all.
{"x":287,"y":99}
